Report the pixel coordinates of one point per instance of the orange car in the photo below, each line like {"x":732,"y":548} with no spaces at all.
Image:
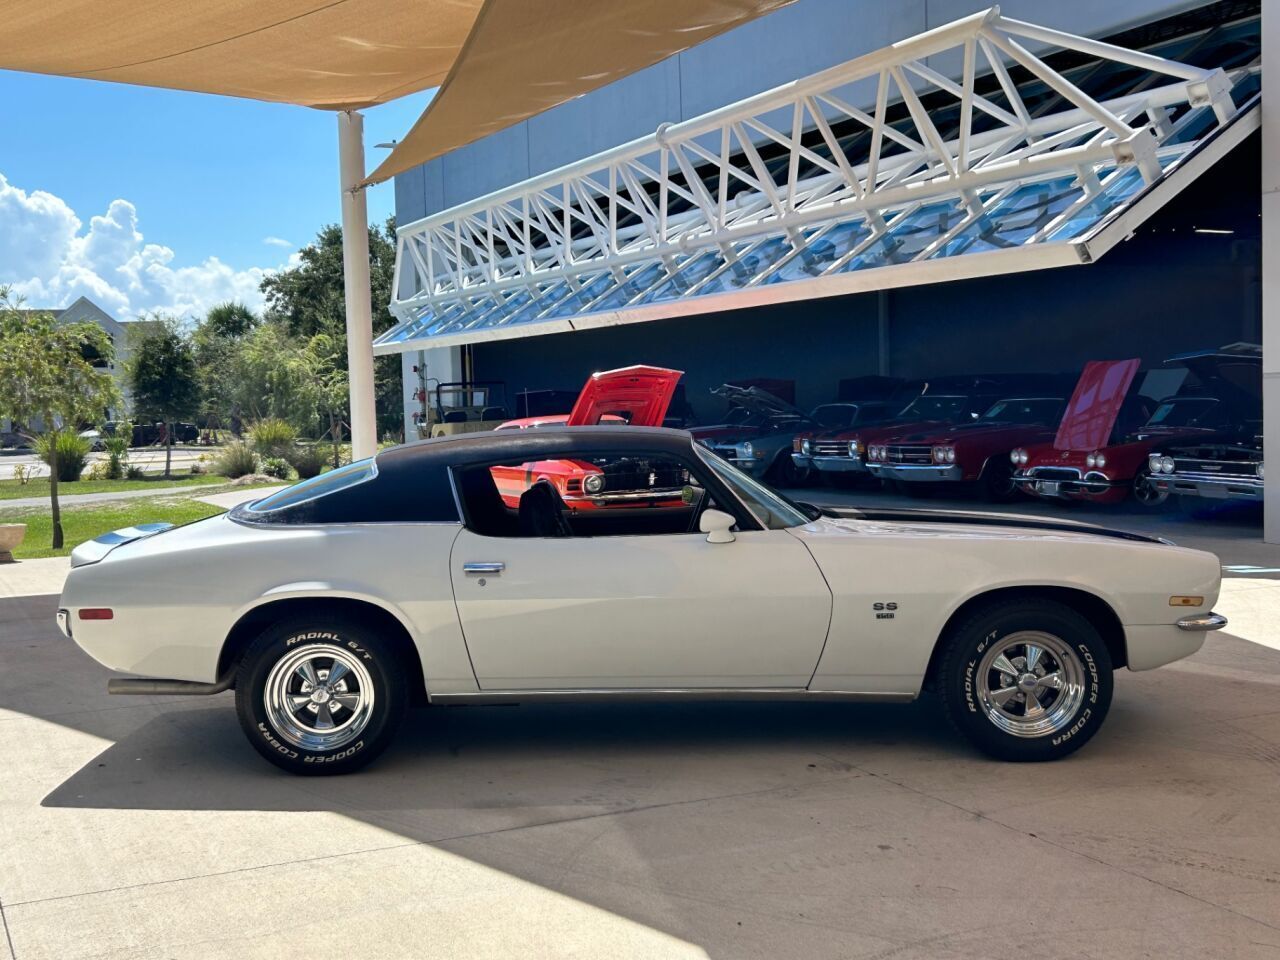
{"x":637,"y":395}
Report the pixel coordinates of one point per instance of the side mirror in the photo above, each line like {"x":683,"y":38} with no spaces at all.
{"x":717,"y":525}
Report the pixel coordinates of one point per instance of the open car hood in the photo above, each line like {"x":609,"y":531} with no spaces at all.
{"x":639,"y":394}
{"x":760,"y":402}
{"x":1095,"y":404}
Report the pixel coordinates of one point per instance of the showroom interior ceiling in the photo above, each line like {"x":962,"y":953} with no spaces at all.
{"x":1020,"y":162}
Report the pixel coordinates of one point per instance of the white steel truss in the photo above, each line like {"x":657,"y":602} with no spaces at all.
{"x":762,"y":201}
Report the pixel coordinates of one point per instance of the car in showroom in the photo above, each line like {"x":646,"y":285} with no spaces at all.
{"x":934,"y":404}
{"x":1103,"y":448}
{"x":764,"y":428}
{"x":330,"y":605}
{"x":637,"y":395}
{"x":1219,"y":467}
{"x":974,"y":453}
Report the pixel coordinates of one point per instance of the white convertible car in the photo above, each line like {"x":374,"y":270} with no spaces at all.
{"x":332,"y":605}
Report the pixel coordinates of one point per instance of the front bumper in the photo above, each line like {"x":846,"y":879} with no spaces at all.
{"x":918,"y":472}
{"x":1080,"y":487}
{"x":1148,"y":647}
{"x":830,"y":464}
{"x":1210,"y":486}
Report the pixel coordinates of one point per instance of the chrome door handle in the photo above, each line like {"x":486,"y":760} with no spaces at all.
{"x":489,"y":566}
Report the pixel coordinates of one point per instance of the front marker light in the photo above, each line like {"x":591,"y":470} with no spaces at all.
{"x":593,"y":483}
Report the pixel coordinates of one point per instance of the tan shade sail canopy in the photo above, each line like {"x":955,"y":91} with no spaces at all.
{"x":522,"y":57}
{"x":331,"y":54}
{"x":525,"y":57}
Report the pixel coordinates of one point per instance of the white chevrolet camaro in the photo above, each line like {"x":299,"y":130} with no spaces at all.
{"x":332,"y":605}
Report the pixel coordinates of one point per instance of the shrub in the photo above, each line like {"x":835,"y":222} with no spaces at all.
{"x":99,"y":470}
{"x":134,"y":472}
{"x":273,"y":437}
{"x":22,"y":473}
{"x":198,"y":468}
{"x":277,"y":467}
{"x":73,"y":453}
{"x":117,"y":447}
{"x":237,"y":460}
{"x":308,"y":460}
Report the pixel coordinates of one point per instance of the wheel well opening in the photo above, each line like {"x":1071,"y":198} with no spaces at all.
{"x":1093,"y":608}
{"x":385,"y":624}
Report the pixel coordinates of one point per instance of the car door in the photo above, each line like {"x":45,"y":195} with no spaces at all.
{"x":611,"y":591}
{"x":633,"y":612}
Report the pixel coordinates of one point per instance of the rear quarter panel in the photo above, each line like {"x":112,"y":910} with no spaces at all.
{"x":176,"y":596}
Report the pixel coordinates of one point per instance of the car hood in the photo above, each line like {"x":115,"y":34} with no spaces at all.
{"x":91,"y":551}
{"x":1095,"y":404}
{"x":976,"y":431}
{"x":1013,"y":526}
{"x":644,"y":393}
{"x":762,"y":404}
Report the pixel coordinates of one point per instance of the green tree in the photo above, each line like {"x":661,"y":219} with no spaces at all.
{"x":218,"y":340}
{"x":326,"y":358}
{"x":45,"y":372}
{"x":309,"y":299}
{"x":272,"y":377}
{"x":163,"y":378}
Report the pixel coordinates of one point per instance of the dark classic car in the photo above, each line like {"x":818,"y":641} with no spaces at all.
{"x":973,"y":453}
{"x":1103,"y":447}
{"x":761,"y":427}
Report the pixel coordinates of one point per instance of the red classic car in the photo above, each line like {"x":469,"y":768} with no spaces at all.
{"x":938,"y":404}
{"x":638,"y":396}
{"x":1102,"y":448}
{"x":976,"y":452}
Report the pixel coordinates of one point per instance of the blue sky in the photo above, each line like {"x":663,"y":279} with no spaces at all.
{"x":201,"y":177}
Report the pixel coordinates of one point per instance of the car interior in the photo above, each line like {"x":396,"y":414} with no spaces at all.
{"x":542,"y":511}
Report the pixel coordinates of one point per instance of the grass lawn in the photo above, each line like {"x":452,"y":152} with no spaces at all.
{"x":84,"y":523}
{"x":39,"y":487}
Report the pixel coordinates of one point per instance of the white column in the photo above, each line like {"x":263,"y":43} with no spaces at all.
{"x":1271,"y":263}
{"x":355,"y":270}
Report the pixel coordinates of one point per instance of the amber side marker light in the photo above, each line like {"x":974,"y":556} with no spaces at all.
{"x":96,"y":613}
{"x":1186,"y":601}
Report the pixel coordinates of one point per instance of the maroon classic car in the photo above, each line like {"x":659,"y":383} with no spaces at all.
{"x":972,"y":453}
{"x":940,"y":403}
{"x":1102,"y":448}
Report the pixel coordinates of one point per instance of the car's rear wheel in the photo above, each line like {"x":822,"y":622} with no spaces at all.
{"x":319,"y":696}
{"x":1026,"y":679}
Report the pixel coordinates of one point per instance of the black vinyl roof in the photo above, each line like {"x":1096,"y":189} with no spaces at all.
{"x":526,"y":445}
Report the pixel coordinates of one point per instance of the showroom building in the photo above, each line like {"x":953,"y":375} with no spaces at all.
{"x":842,"y":189}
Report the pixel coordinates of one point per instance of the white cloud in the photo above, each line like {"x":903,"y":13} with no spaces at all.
{"x":277,"y":242}
{"x":50,"y":259}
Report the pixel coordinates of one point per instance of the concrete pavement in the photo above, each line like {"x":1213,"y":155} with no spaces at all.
{"x":147,"y":828}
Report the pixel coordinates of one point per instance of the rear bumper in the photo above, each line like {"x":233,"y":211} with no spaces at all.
{"x":917,"y":472}
{"x":1210,"y":486}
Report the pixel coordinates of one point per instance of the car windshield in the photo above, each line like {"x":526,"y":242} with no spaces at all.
{"x":835,"y":415}
{"x":933,"y":408}
{"x":1182,"y":412}
{"x":774,"y":511}
{"x":324,"y":484}
{"x":1037,"y":410}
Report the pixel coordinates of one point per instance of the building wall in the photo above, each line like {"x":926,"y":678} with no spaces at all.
{"x":798,"y":40}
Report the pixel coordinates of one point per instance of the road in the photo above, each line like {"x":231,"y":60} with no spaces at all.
{"x":148,"y":458}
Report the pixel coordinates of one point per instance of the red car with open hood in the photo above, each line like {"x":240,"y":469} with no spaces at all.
{"x":638,"y":396}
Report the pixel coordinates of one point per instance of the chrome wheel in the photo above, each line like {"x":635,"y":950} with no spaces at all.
{"x":1030,"y":684}
{"x":319,"y":697}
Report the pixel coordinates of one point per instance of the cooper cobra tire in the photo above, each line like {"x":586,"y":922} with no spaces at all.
{"x":989,"y":678}
{"x":320,"y":695}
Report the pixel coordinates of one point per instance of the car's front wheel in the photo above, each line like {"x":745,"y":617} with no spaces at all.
{"x":1026,"y":679}
{"x":320,"y":696}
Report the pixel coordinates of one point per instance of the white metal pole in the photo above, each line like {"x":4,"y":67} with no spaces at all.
{"x":355,"y":270}
{"x":1271,"y":265}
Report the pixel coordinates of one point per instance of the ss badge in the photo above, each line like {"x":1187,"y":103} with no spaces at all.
{"x":884,"y":611}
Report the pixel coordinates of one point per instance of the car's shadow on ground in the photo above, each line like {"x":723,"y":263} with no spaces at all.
{"x":485,"y":759}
